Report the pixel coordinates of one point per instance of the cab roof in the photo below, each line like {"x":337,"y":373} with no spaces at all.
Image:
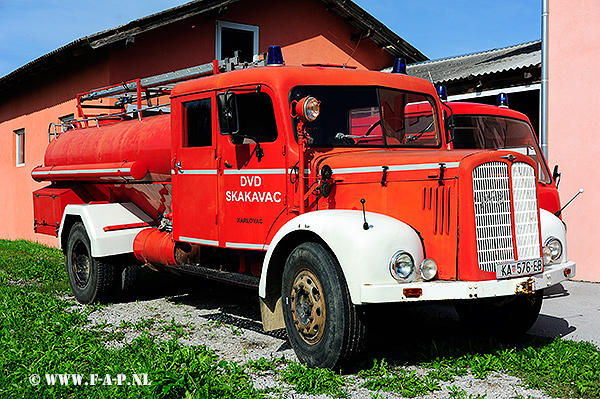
{"x":284,"y":78}
{"x":466,"y":108}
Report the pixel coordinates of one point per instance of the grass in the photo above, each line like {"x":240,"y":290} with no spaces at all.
{"x":41,"y":334}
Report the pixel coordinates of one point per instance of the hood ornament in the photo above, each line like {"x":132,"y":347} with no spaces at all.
{"x":510,"y":157}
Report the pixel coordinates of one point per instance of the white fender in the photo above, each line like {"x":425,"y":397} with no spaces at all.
{"x":110,"y":227}
{"x":553,"y":227}
{"x":364,"y":255}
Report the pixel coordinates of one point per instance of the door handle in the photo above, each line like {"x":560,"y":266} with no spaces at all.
{"x":177,"y":167}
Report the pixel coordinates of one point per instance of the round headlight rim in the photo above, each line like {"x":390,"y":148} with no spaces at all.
{"x":422,"y":269}
{"x":393,"y":262}
{"x":308,"y":109}
{"x":556,"y":253}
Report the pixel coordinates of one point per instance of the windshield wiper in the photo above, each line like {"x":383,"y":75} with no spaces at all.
{"x":342,"y":136}
{"x":418,"y":135}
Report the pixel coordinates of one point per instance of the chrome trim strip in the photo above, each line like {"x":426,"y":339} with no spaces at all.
{"x":199,"y":241}
{"x":245,"y":245}
{"x":395,"y":168}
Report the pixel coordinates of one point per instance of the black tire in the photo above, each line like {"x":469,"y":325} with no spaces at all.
{"x":91,"y":279}
{"x":127,"y":275}
{"x":501,"y":316}
{"x":323,"y":326}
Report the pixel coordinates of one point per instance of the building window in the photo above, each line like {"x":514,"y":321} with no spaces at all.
{"x":232,"y":37}
{"x":20,"y":146}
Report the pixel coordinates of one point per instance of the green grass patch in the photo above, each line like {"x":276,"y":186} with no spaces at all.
{"x":25,"y":262}
{"x":381,"y":378}
{"x":314,"y":381}
{"x":43,"y":335}
{"x":40,"y":336}
{"x":562,"y":368}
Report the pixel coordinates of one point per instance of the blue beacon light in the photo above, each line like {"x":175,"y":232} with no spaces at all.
{"x":502,"y":100}
{"x":441,"y":92}
{"x":399,"y":66}
{"x":274,"y":56}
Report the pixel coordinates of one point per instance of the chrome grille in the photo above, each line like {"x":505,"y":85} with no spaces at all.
{"x":491,"y":194}
{"x":526,"y":214}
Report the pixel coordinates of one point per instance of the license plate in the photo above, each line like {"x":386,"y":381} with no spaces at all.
{"x":519,"y":268}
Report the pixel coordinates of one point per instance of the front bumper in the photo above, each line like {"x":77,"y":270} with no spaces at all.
{"x":447,"y":290}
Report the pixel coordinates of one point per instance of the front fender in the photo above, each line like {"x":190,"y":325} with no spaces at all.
{"x":363,"y":255}
{"x":553,"y":227}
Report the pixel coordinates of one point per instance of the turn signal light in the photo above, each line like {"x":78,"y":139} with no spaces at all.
{"x":412,"y":292}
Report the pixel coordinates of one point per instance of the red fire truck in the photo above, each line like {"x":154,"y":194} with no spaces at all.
{"x":327,"y":188}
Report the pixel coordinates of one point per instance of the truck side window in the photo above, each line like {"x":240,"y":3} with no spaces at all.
{"x":256,"y":116}
{"x":197,"y":123}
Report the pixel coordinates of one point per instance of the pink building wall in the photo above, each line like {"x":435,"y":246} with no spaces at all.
{"x":573,"y":128}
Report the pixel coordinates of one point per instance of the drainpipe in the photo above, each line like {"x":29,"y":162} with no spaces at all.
{"x":544,"y":89}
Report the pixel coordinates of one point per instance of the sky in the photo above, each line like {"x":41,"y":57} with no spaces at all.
{"x":30,"y":29}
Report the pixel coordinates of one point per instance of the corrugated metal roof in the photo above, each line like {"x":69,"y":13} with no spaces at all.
{"x":478,"y":64}
{"x":354,"y":15}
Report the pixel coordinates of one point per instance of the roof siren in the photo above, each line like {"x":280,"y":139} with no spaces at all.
{"x":502,"y":100}
{"x":441,"y":92}
{"x":399,"y":66}
{"x":274,"y":56}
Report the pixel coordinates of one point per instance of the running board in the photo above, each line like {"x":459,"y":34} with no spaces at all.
{"x":219,"y":275}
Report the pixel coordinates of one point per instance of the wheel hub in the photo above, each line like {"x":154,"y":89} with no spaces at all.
{"x":80,"y":262}
{"x":308,"y":306}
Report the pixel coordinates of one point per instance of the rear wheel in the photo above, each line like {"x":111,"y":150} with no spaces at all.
{"x":503,"y":316}
{"x":324,"y":327}
{"x":91,"y":279}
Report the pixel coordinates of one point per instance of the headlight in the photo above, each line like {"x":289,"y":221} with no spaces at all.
{"x":308,"y":108}
{"x":428,"y":269}
{"x":402,"y":265}
{"x":552,"y":250}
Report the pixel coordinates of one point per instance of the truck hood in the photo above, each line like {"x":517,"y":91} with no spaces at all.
{"x":419,"y":164}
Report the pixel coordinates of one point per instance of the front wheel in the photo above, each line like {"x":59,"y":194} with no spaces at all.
{"x":91,"y":279}
{"x":323,"y":326}
{"x":503,"y":316}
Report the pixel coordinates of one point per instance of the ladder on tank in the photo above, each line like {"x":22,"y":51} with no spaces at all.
{"x":134,"y":99}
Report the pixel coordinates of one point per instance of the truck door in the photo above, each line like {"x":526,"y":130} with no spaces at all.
{"x":252,"y":187}
{"x":194,"y":175}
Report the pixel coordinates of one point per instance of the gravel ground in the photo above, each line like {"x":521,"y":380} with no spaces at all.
{"x":226,"y":319}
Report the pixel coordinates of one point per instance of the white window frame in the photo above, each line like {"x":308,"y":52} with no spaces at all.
{"x":234,"y":25}
{"x":20,"y":147}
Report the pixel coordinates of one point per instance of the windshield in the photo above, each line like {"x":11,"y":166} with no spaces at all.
{"x":497,"y":132}
{"x":370,"y":117}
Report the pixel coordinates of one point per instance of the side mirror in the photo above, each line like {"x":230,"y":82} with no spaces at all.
{"x":449,"y":125}
{"x":228,"y":116}
{"x":556,"y":175}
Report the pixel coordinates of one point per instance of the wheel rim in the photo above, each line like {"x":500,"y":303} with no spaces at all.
{"x":308,"y":306}
{"x":80,"y":264}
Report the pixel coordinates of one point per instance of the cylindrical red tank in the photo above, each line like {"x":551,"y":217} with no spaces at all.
{"x":147,"y":142}
{"x":125,"y":161}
